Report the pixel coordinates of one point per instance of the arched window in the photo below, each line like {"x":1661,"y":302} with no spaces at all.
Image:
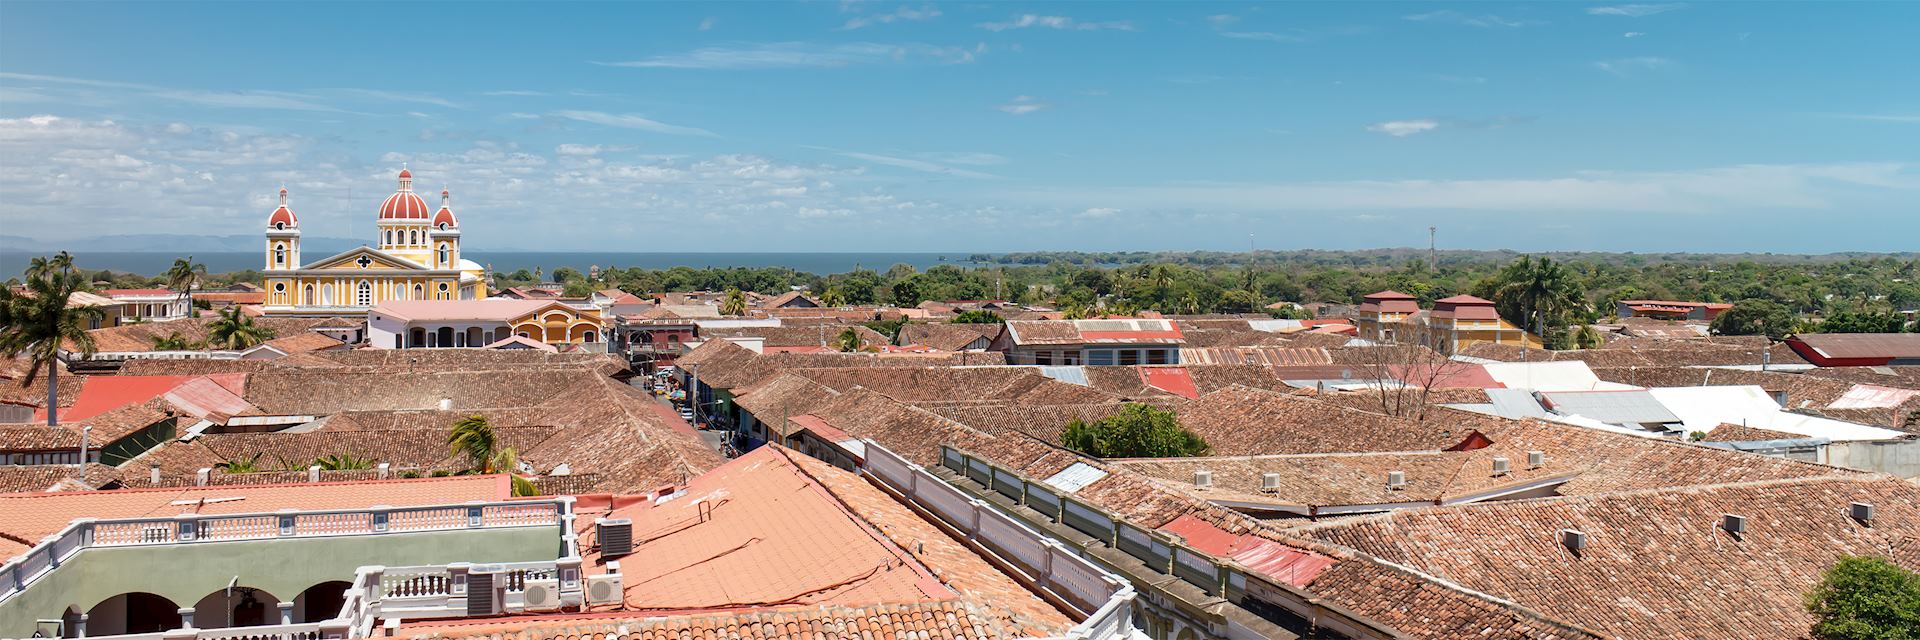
{"x":388,"y":235}
{"x":326,"y":294}
{"x":590,"y":336}
{"x":413,"y":237}
{"x":279,"y":254}
{"x":418,"y":294}
{"x":279,"y":225}
{"x":444,"y":254}
{"x":364,"y":295}
{"x":307,"y":295}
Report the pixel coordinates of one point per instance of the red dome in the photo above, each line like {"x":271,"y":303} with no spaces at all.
{"x":283,"y":218}
{"x":405,"y":173}
{"x":404,"y":205}
{"x":445,"y":218}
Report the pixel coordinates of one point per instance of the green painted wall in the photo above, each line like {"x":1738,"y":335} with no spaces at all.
{"x":184,"y":573}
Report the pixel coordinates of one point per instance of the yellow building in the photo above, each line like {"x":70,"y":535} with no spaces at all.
{"x":418,"y":259}
{"x":1454,"y":323}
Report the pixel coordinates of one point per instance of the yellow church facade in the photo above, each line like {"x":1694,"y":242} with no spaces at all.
{"x":417,"y":258}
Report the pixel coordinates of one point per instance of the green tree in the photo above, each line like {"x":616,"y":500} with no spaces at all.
{"x":1864,"y":322}
{"x":977,"y":316}
{"x":249,"y":464}
{"x":234,"y":330}
{"x":735,"y":303}
{"x":1537,"y":294}
{"x":181,"y":277}
{"x":577,"y":289}
{"x":834,"y":297}
{"x":567,"y":274}
{"x":1137,"y":431}
{"x":1866,"y":598}
{"x":848,"y":340}
{"x":1754,"y":316}
{"x":474,"y":438}
{"x":38,"y":323}
{"x":342,"y":462}
{"x":173,"y":341}
{"x":1588,"y":337}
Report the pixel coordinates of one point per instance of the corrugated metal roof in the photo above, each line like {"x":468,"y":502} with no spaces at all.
{"x":1076,"y":477}
{"x":1070,"y":374}
{"x":1617,"y":407}
{"x":1278,"y":356}
{"x":1515,"y":403}
{"x":1868,"y":396}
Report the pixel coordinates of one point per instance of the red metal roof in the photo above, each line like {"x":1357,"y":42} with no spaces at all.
{"x":1175,"y":380}
{"x":1279,"y":562}
{"x":101,"y":394}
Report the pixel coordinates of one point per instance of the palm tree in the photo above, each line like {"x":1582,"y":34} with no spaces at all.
{"x":234,"y":330}
{"x":172,"y":342}
{"x":39,"y":324}
{"x":834,"y":297}
{"x":182,"y":276}
{"x":473,"y":437}
{"x":1538,"y":290}
{"x":849,"y":340}
{"x":342,"y":462}
{"x":240,"y":465}
{"x":735,"y":303}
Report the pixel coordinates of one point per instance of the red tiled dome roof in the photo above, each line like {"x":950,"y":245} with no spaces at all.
{"x":444,"y":217}
{"x":403,"y":205}
{"x":283,"y":217}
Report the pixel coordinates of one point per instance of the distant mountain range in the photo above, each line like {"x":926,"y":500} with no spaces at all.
{"x":169,"y":243}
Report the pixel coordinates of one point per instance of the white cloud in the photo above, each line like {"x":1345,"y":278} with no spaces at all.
{"x":631,"y":121}
{"x":1635,"y":10}
{"x":1449,"y":16}
{"x":397,"y":96}
{"x":1627,"y":66}
{"x":1027,"y":21}
{"x":916,"y":165}
{"x":903,"y":14}
{"x":789,"y":55}
{"x":515,"y":93}
{"x":706,"y":24}
{"x":1633,"y":34}
{"x":1222,"y":20}
{"x":1403,"y":128}
{"x":1099,"y":212}
{"x":1738,"y":189}
{"x":1023,"y":105}
{"x":588,"y":150}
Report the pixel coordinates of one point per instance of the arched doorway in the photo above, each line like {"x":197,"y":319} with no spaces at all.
{"x":416,"y":338}
{"x":320,"y":602}
{"x":241,"y":607}
{"x":444,"y":337}
{"x":137,"y":612}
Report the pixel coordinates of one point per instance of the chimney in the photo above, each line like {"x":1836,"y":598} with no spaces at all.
{"x":313,"y":473}
{"x":1396,"y":479}
{"x":153,"y":474}
{"x":1861,"y":512}
{"x":1536,"y":458}
{"x":1203,"y":478}
{"x":1501,"y":466}
{"x":383,"y":470}
{"x":1574,"y":540}
{"x":446,"y":404}
{"x":200,"y":477}
{"x":1270,"y":481}
{"x":1735,"y":525}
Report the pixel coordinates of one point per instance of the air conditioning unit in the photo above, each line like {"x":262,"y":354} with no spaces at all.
{"x":1203,"y":478}
{"x":1270,"y":481}
{"x":1501,"y":466}
{"x":1573,"y":539}
{"x":606,"y":588}
{"x":1396,"y":479}
{"x":542,"y":595}
{"x":483,"y":590}
{"x":1536,"y":458}
{"x":1735,"y":525}
{"x":1861,"y":512}
{"x":615,"y":536}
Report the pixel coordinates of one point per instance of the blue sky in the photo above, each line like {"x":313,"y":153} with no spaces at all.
{"x":863,"y":126}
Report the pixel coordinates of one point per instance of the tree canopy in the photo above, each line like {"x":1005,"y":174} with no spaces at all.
{"x":1866,"y":598}
{"x":1755,"y":317}
{"x":1137,"y":431}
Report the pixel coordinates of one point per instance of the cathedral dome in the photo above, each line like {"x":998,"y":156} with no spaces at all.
{"x":444,"y":219}
{"x":283,"y":218}
{"x":404,"y":204}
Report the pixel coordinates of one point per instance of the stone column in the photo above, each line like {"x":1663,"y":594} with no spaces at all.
{"x":186,"y":617}
{"x":286,"y":613}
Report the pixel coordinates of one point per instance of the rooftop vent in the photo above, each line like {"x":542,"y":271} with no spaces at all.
{"x":1396,"y":479}
{"x":1536,"y":458}
{"x":1270,"y":481}
{"x":1861,"y":512}
{"x":153,"y":474}
{"x":200,"y":477}
{"x":615,"y":536}
{"x":1501,"y":466}
{"x":1573,"y":539}
{"x":1202,"y":478}
{"x":1735,"y":525}
{"x":446,"y":404}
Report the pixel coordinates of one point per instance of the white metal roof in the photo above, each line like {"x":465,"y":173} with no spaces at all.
{"x":1703,"y":408}
{"x":1076,"y":477}
{"x":1565,"y":375}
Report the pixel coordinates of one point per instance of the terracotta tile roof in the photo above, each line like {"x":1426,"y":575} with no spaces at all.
{"x":1737,"y":433}
{"x":948,"y":620}
{"x":1656,"y":564}
{"x":825,"y":335}
{"x":947,"y":336}
{"x":783,"y":395}
{"x":137,"y":338}
{"x":1263,"y":355}
{"x":305,"y":341}
{"x":1664,"y":353}
{"x":1802,"y":390}
{"x":32,"y":516}
{"x":40,"y":437}
{"x":1244,"y":421}
{"x":1323,"y":480}
{"x":733,"y":366}
{"x":54,"y":477}
{"x":1103,"y":331}
{"x":971,"y":384}
{"x":1044,"y":422}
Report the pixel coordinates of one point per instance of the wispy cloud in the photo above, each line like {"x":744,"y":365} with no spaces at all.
{"x":518,"y":93}
{"x":396,"y":96}
{"x":1628,"y":66}
{"x":1098,"y":212}
{"x":916,"y":165}
{"x":1878,"y":117}
{"x":1268,"y":36}
{"x":1635,"y":10}
{"x":1404,"y":128}
{"x":1023,"y":105}
{"x":1028,"y":21}
{"x":903,"y":14}
{"x":631,"y":121}
{"x":1485,"y":21}
{"x":706,"y":24}
{"x":1222,"y":20}
{"x":234,"y":99}
{"x":793,"y":55}
{"x":1633,"y":34}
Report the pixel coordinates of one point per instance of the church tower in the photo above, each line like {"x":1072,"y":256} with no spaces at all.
{"x":283,"y":237}
{"x":444,"y":235}
{"x":403,"y":223}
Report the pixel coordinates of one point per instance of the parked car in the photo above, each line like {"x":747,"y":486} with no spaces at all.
{"x":686,"y":413}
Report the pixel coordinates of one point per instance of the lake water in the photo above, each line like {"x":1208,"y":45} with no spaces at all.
{"x":11,"y":264}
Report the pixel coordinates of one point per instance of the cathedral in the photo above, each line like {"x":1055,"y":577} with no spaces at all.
{"x":418,"y":259}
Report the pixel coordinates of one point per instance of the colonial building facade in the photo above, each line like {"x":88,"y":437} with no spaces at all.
{"x":418,"y":259}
